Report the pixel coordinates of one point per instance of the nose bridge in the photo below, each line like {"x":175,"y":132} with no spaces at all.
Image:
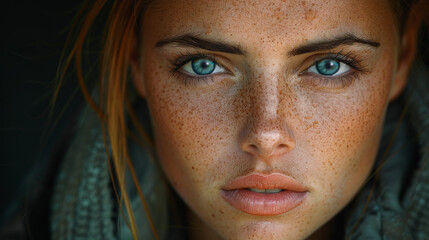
{"x":266,"y":92}
{"x":266,"y":133}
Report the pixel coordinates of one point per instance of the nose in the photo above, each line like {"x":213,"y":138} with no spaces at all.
{"x":266,"y":133}
{"x":267,"y":139}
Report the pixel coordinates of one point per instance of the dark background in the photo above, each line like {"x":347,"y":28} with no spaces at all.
{"x":33,"y":34}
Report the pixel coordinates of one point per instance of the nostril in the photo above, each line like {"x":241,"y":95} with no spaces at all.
{"x":281,"y":148}
{"x":266,"y":151}
{"x":253,"y":148}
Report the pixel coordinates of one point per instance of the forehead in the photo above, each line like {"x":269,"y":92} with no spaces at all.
{"x":269,"y":20}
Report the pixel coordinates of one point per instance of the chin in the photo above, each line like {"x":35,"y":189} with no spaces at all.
{"x":266,"y":230}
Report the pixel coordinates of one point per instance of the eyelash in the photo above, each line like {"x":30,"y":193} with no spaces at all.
{"x":187,"y":79}
{"x":337,"y":82}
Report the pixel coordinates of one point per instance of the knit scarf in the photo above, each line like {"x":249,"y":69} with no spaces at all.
{"x":83,"y":201}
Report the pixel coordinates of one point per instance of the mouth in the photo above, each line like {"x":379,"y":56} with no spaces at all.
{"x":268,"y":191}
{"x":264,"y":195}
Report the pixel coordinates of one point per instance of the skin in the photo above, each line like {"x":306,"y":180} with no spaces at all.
{"x":265,"y":114}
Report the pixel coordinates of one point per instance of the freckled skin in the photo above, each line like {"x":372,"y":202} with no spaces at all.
{"x":265,"y":117}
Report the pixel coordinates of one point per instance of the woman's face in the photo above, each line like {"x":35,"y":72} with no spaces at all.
{"x":284,"y":96}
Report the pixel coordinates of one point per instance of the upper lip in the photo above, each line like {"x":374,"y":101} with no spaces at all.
{"x":263,"y":181}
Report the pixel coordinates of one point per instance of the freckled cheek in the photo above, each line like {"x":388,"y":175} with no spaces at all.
{"x":194,"y":124}
{"x":349,"y":133}
{"x":192,"y":131}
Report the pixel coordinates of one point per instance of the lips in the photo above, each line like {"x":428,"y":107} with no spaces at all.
{"x":264,"y":195}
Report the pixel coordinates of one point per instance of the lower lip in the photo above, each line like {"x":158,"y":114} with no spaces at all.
{"x":263,"y":204}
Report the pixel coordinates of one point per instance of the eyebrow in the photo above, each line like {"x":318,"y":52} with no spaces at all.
{"x":323,"y":45}
{"x":198,"y":42}
{"x":218,"y":46}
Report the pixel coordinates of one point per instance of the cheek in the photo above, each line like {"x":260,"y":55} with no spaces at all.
{"x":191,"y":130}
{"x":345,"y":134}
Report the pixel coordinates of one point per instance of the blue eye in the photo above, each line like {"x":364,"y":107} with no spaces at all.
{"x":202,"y":66}
{"x":329,"y":67}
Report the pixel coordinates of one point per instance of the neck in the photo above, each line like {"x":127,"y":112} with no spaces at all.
{"x":199,"y":229}
{"x":327,"y":231}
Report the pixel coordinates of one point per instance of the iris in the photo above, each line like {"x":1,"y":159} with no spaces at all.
{"x":327,"y":66}
{"x":203,"y":66}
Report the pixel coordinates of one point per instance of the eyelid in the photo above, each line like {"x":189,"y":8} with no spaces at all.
{"x":340,"y":72}
{"x":348,"y":58}
{"x":218,"y":68}
{"x":183,"y":58}
{"x":332,"y":82}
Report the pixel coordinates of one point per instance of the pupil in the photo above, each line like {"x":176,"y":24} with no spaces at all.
{"x":204,"y":64}
{"x":329,"y":65}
